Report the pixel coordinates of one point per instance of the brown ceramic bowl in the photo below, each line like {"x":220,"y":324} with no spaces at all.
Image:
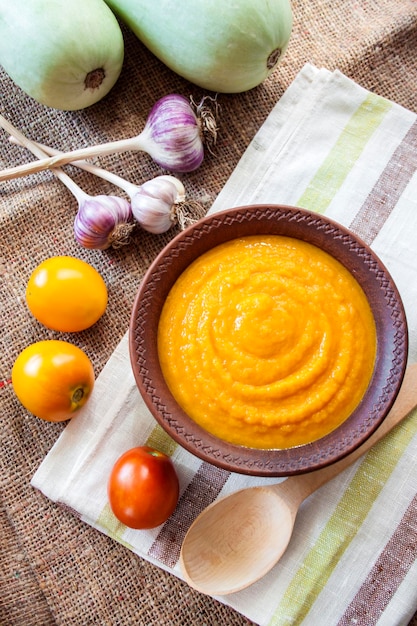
{"x":382,"y":294}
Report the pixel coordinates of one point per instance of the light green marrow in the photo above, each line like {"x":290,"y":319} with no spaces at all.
{"x":225,"y":46}
{"x":66,"y":54}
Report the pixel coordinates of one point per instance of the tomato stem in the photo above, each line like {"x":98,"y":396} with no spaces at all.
{"x":78,"y":395}
{"x":154,"y":452}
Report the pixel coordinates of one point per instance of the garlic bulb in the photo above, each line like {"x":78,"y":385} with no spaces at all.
{"x":103,"y":221}
{"x":153,"y":204}
{"x":172,"y":135}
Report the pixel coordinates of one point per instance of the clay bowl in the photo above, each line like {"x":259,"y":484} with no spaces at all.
{"x":382,"y":294}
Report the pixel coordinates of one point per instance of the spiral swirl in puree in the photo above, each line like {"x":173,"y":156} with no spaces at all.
{"x":267,"y":342}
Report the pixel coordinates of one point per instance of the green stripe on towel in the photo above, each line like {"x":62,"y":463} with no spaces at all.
{"x":344,"y":154}
{"x":160,"y":440}
{"x":335,"y":538}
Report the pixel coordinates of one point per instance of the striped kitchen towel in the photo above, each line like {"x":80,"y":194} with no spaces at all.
{"x":332,"y":147}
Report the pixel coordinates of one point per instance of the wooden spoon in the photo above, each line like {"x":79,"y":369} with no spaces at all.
{"x":238,"y":539}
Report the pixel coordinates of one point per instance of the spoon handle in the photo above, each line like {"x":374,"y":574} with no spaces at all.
{"x":303,"y":485}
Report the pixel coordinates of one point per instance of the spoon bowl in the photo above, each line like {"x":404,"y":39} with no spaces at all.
{"x":210,"y":556}
{"x":236,"y":540}
{"x":215,"y":556}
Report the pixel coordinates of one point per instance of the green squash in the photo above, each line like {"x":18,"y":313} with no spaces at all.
{"x":66,"y":54}
{"x":225,"y":46}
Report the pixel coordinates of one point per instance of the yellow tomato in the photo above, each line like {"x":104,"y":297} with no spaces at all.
{"x":53,"y":379}
{"x":66,"y":294}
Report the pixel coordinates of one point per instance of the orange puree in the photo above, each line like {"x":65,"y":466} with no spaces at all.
{"x":267,"y":342}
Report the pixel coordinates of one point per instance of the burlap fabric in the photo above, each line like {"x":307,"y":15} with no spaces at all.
{"x":55,"y":569}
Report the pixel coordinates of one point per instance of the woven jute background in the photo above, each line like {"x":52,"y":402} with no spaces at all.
{"x":53,"y":568}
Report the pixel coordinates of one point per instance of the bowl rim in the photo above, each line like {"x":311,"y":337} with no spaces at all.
{"x":334,"y":238}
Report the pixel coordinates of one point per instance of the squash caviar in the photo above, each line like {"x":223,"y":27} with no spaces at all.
{"x":267,"y":342}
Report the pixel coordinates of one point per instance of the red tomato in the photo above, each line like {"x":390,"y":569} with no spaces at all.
{"x":53,"y":379}
{"x":66,"y":294}
{"x":143,"y":488}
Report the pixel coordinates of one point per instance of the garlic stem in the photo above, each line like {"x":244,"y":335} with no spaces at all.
{"x":172,"y":136}
{"x":131,"y":189}
{"x":156,"y":204}
{"x":46,"y":162}
{"x":101,"y":221}
{"x":37,"y":150}
{"x":128,"y":187}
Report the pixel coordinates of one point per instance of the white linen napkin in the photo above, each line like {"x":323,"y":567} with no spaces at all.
{"x":332,"y":147}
